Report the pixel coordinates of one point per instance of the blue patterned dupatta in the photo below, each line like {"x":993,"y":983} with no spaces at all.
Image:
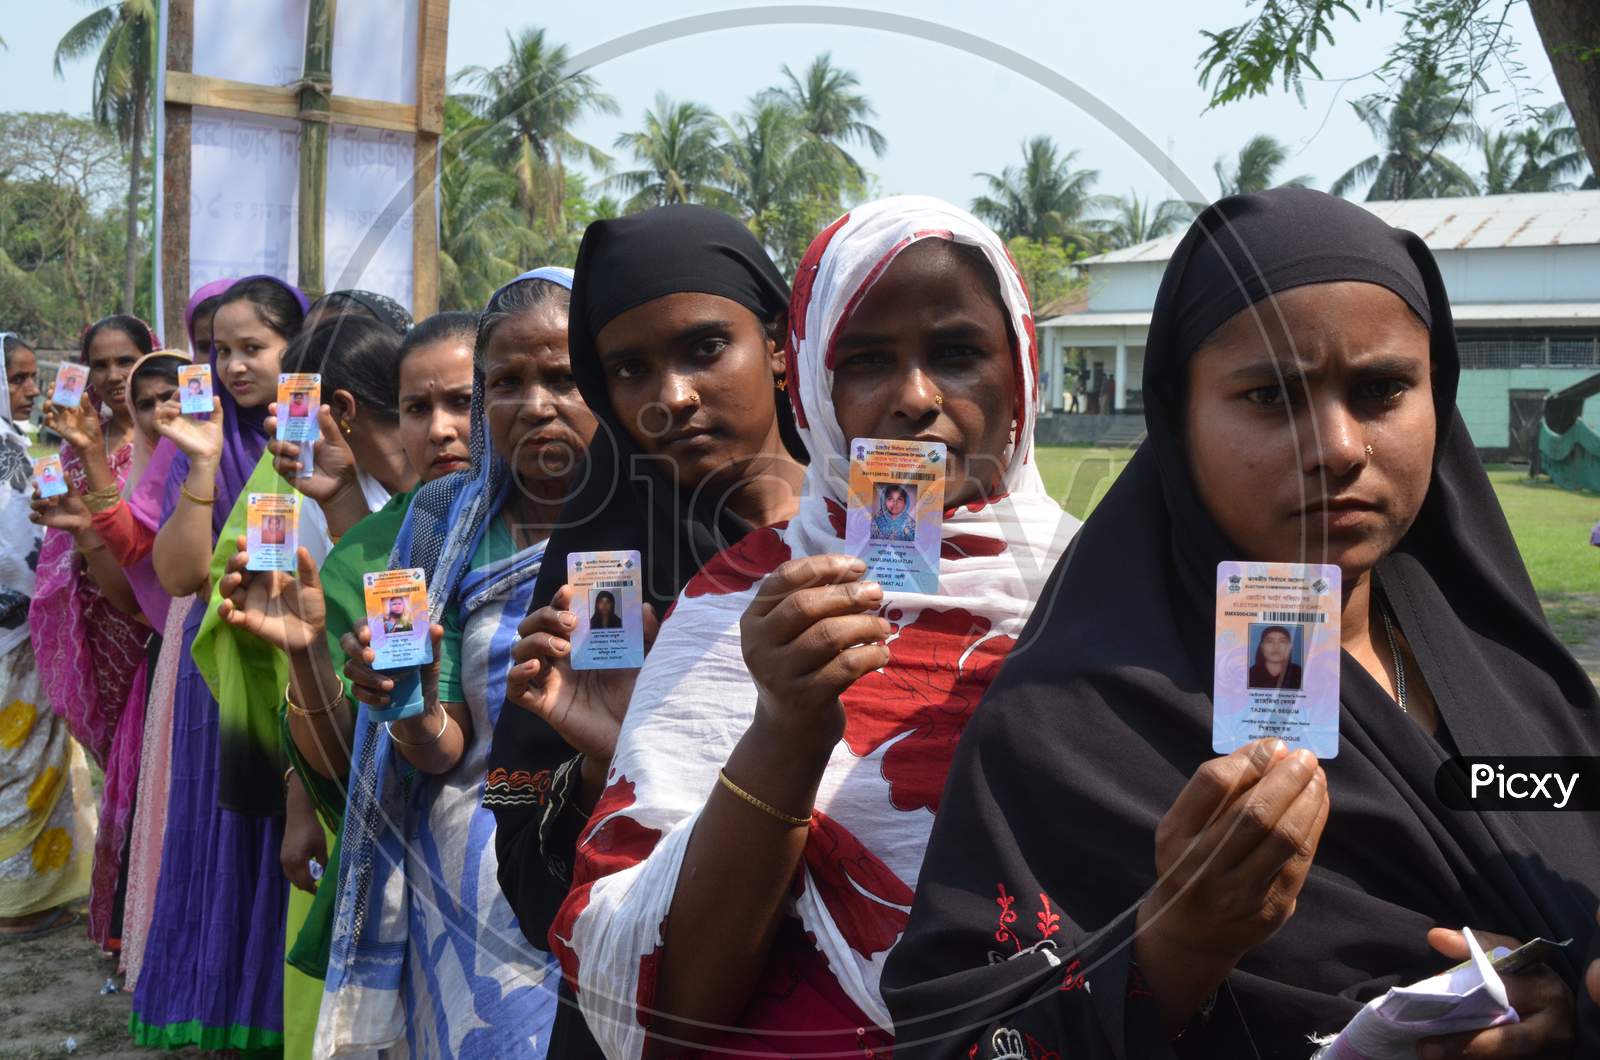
{"x":427,"y":958}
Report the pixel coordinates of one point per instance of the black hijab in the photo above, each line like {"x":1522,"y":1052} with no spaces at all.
{"x":623,"y":501}
{"x":1103,"y":712}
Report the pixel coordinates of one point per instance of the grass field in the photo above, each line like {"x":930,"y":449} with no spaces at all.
{"x":1551,"y":526}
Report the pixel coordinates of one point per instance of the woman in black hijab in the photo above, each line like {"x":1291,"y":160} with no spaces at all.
{"x":1293,"y":417}
{"x":1274,"y":665}
{"x":676,"y":332}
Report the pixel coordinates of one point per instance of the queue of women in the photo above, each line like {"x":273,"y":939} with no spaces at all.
{"x":825,"y":818}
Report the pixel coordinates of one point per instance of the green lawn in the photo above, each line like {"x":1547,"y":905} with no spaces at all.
{"x":1551,"y":526}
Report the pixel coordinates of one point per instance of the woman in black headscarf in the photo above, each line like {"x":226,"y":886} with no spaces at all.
{"x":1297,"y":412}
{"x":1274,"y":665}
{"x":676,"y":332}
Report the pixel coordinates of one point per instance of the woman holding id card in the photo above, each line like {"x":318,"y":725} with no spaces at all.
{"x":1100,"y":883}
{"x":466,"y":978}
{"x":785,"y":747}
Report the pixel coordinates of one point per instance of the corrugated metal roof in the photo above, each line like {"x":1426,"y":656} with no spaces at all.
{"x":1545,"y":219}
{"x":1572,"y":314}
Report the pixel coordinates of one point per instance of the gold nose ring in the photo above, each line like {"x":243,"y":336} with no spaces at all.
{"x":1369,"y":450}
{"x":938,"y":399}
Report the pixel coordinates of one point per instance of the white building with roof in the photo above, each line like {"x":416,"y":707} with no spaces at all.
{"x":1523,"y":272}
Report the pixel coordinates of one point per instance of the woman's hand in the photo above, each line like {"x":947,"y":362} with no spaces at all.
{"x":809,"y":634}
{"x":1231,"y":856}
{"x":66,"y":512}
{"x":585,"y":707}
{"x":372,"y":687}
{"x":1548,"y":1015}
{"x":302,"y":837}
{"x":198,"y":439}
{"x":333,"y":464}
{"x":78,"y":426}
{"x":286,"y":611}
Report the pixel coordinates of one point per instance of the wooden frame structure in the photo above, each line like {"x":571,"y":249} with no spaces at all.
{"x":315,"y":109}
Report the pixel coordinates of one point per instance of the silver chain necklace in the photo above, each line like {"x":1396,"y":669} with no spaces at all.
{"x":1399,"y":663}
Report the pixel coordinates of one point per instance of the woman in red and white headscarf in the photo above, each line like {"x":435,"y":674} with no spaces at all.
{"x":753,"y":857}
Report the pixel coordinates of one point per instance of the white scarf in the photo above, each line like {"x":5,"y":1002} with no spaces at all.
{"x":694,"y":698}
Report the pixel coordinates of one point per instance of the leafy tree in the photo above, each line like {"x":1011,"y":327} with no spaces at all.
{"x":60,"y":224}
{"x":680,"y":155}
{"x":1043,"y":198}
{"x":1046,"y":266}
{"x":530,"y":106}
{"x":125,"y":33}
{"x":1277,"y":44}
{"x":1134,"y":220}
{"x":1426,"y":118}
{"x":1255,"y":168}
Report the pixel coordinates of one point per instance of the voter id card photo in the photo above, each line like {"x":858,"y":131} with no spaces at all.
{"x":299,"y":396}
{"x":48,"y":474}
{"x":71,"y":379}
{"x":194,"y":389}
{"x":609,"y":604}
{"x":1277,"y":656}
{"x":397,"y":616}
{"x":896,"y":511}
{"x":272,"y":531}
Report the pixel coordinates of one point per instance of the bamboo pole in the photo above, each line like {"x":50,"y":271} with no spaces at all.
{"x":316,"y":90}
{"x":433,"y":24}
{"x":175,"y":187}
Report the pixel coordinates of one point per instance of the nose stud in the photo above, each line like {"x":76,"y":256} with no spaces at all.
{"x":938,"y":399}
{"x":1369,"y":450}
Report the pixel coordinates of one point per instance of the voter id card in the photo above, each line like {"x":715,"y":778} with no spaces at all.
{"x":609,"y":604}
{"x":48,"y":473}
{"x":194,"y":389}
{"x":71,"y":379}
{"x":272,"y":530}
{"x":397,"y":617}
{"x":896,"y":511}
{"x":1277,"y":656}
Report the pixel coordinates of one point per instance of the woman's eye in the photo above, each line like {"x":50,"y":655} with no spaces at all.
{"x":711,"y":347}
{"x":1267,"y":397}
{"x":626,"y":369}
{"x":1384,"y":389}
{"x":863,"y":361}
{"x":961,"y":352}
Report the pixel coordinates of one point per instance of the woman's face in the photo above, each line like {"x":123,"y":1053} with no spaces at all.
{"x":894,"y":502}
{"x":112,"y":355}
{"x":249,"y":354}
{"x":201,"y":336}
{"x":1275,"y":647}
{"x":604,"y":606}
{"x":1331,"y":463}
{"x":537,"y":420}
{"x":436,"y":408}
{"x":691,"y":377}
{"x":926,"y":356}
{"x":151,"y":392}
{"x":22,"y":377}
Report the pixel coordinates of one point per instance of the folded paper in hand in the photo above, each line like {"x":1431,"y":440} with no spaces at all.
{"x":1468,"y":997}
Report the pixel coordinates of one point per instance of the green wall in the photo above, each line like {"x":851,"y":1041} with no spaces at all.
{"x":1485,"y":402}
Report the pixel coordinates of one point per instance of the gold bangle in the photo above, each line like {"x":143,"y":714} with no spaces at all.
{"x":388,"y":727}
{"x":203,"y":501}
{"x":766,"y":808}
{"x":102,"y":499}
{"x":298,"y":710}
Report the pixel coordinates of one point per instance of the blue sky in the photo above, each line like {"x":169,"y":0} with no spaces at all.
{"x":945,"y":113}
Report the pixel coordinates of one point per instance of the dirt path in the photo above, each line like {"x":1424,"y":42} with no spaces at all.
{"x":50,"y":992}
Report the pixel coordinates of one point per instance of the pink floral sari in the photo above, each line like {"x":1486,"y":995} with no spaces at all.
{"x":92,"y":672}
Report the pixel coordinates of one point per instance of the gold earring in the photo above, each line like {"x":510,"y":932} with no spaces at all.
{"x":344,"y":425}
{"x":782,"y":382}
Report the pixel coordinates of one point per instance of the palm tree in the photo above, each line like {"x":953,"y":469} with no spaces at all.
{"x":1255,"y":168}
{"x":1543,"y":155}
{"x":1134,"y":220}
{"x":680,"y":155}
{"x":483,"y":237}
{"x":832,"y":112}
{"x":125,"y":32}
{"x":1043,"y":198}
{"x":1428,"y":115}
{"x":785,"y":191}
{"x":531,"y":104}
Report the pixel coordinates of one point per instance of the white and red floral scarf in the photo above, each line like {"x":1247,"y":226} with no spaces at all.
{"x":694,"y":698}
